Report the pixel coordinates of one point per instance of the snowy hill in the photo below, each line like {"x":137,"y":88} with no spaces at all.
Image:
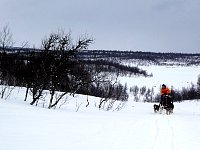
{"x":77,"y":127}
{"x":135,"y":127}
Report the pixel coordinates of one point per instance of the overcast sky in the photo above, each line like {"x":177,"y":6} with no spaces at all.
{"x":146,"y":25}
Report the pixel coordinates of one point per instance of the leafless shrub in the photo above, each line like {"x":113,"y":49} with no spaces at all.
{"x":6,"y":91}
{"x":120,"y":106}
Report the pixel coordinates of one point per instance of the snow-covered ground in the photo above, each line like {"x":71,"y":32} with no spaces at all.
{"x":25,"y":127}
{"x":75,"y":127}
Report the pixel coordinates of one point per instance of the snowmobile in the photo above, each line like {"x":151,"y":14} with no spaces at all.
{"x":165,"y":104}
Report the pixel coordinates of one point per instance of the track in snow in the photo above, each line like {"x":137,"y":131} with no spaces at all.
{"x":136,"y":127}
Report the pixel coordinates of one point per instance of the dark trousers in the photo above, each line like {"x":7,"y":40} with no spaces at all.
{"x":162,"y":100}
{"x":165,"y":100}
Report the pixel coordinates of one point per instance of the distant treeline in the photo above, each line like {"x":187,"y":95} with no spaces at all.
{"x":156,"y":58}
{"x":117,"y":55}
{"x":114,"y":67}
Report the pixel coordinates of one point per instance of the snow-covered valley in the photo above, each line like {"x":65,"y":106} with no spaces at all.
{"x":173,"y":76}
{"x":77,"y":127}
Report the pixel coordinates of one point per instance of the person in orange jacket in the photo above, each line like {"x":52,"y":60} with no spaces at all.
{"x":164,"y":91}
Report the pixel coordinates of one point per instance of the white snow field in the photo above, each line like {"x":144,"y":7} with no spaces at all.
{"x":135,"y":127}
{"x":75,"y":127}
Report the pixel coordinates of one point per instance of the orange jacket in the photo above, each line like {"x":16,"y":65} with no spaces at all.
{"x":165,"y":91}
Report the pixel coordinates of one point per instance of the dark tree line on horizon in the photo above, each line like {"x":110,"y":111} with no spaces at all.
{"x":152,"y":57}
{"x":157,"y":58}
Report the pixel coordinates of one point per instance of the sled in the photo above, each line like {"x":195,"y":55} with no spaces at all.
{"x":165,"y":105}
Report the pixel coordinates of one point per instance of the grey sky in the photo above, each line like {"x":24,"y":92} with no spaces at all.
{"x":146,"y":25}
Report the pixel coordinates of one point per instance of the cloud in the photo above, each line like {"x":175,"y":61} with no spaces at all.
{"x":168,"y":5}
{"x":156,"y":25}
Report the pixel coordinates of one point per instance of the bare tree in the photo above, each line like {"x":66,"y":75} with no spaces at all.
{"x":198,"y":86}
{"x":5,"y":41}
{"x":6,"y":38}
{"x":62,"y":68}
{"x":198,"y":82}
{"x":109,"y":87}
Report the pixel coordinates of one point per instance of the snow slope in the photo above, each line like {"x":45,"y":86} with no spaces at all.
{"x":135,"y":127}
{"x":75,"y":127}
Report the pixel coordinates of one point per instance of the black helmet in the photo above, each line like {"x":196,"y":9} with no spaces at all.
{"x":163,"y":85}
